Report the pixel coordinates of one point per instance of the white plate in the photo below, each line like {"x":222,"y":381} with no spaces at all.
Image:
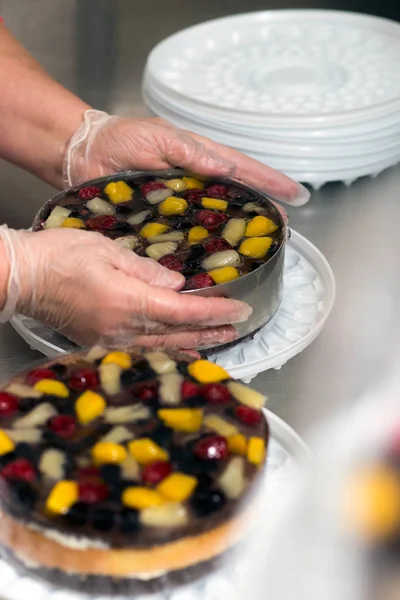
{"x":325,"y":130}
{"x":287,"y":462}
{"x":308,"y":148}
{"x":309,"y":294}
{"x":291,"y":67}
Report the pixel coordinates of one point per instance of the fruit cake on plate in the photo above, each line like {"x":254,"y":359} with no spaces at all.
{"x":126,"y":465}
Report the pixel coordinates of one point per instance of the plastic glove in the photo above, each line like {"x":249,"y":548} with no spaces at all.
{"x":94,"y":291}
{"x":107,"y":144}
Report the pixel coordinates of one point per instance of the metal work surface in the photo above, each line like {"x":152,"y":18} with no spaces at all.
{"x":98,"y":49}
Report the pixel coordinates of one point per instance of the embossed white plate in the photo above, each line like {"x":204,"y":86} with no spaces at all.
{"x":280,"y":146}
{"x":309,"y":294}
{"x":284,"y":68}
{"x":288,"y":457}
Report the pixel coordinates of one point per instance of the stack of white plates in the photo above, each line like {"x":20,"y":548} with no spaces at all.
{"x":315,"y":94}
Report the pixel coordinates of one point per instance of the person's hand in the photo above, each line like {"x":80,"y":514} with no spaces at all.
{"x":94,"y":291}
{"x":106,"y":144}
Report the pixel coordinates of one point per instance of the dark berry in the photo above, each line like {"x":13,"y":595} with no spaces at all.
{"x":217,"y":190}
{"x":182,"y":368}
{"x":84,"y":379}
{"x":215,"y":393}
{"x":91,"y":492}
{"x":111,"y":474}
{"x":64,"y":426}
{"x":194,"y":196}
{"x":87,"y":193}
{"x":145,"y":369}
{"x":199,"y":281}
{"x":182,"y":224}
{"x":248,"y":415}
{"x":236,"y":206}
{"x":130,"y":376}
{"x":206,"y":501}
{"x":25,"y":405}
{"x":23,"y":450}
{"x":103,"y":519}
{"x":77,"y":515}
{"x":8,"y":404}
{"x":21,"y":468}
{"x":212,"y":447}
{"x":65,"y":406}
{"x":151,"y":186}
{"x":103,"y":222}
{"x":155,"y":472}
{"x":123,"y":210}
{"x":189,"y":389}
{"x":162,"y":436}
{"x":24,"y":493}
{"x":194,"y":402}
{"x":171,"y":262}
{"x":216,"y":245}
{"x":129,"y":520}
{"x":197,"y":251}
{"x":59,"y":369}
{"x":38,"y":374}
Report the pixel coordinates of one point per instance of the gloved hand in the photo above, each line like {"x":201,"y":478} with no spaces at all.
{"x":107,"y":144}
{"x":94,"y":291}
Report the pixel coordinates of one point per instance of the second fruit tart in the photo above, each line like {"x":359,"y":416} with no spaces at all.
{"x":126,"y":465}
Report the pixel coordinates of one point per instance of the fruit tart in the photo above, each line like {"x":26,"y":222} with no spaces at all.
{"x":126,"y":466}
{"x":211,"y":232}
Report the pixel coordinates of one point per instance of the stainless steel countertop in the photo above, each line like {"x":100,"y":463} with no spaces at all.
{"x":98,"y":49}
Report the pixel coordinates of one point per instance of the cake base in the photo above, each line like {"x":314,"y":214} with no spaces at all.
{"x":117,"y":571}
{"x":98,"y":585}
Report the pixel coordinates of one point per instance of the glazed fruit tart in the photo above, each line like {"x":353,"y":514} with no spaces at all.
{"x":126,"y":465}
{"x":211,"y":232}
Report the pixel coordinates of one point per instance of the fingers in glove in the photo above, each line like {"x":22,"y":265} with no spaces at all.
{"x":150,"y":271}
{"x":165,"y":306}
{"x":204,"y":338}
{"x":258,"y":175}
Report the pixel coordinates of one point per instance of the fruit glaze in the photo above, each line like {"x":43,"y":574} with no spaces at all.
{"x":131,"y":449}
{"x":211,"y":232}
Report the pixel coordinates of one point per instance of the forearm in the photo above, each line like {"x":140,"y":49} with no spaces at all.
{"x":37,"y":115}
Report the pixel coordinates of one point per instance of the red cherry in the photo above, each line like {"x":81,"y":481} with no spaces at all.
{"x":217,"y":190}
{"x":171,"y":262}
{"x":212,"y":447}
{"x":87,"y":193}
{"x":197,"y":282}
{"x":248,"y":415}
{"x":148,"y":391}
{"x":156,"y":472}
{"x":8,"y":404}
{"x":217,"y":245}
{"x":189,"y":389}
{"x":215,"y":393}
{"x":88,"y":473}
{"x":151,"y":186}
{"x":20,"y":469}
{"x":38,"y":374}
{"x":194,"y":196}
{"x":102,"y":222}
{"x":84,"y":379}
{"x":209,"y":219}
{"x":91,"y":492}
{"x":63,"y":425}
